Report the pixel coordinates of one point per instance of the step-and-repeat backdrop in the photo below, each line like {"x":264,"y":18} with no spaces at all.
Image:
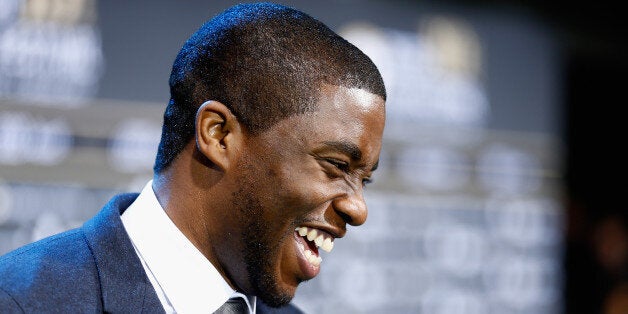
{"x":465,"y":213}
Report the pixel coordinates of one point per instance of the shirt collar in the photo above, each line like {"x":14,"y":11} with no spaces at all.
{"x":190,"y":281}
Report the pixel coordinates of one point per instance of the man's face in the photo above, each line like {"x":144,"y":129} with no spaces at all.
{"x":305,"y":175}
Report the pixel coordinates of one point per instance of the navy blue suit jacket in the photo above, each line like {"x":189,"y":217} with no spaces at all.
{"x":92,"y":269}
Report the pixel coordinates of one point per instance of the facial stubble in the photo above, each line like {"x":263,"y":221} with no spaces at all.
{"x":258,"y":251}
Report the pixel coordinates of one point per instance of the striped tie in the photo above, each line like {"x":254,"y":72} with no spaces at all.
{"x":233,"y":306}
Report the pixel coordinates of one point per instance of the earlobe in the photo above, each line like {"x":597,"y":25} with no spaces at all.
{"x":217,"y":130}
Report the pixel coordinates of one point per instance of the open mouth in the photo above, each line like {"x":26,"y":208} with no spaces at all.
{"x":310,"y":240}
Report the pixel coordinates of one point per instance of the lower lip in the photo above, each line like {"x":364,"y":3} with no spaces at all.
{"x":309,"y":271}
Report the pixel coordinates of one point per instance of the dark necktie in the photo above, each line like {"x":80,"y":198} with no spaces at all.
{"x":233,"y":306}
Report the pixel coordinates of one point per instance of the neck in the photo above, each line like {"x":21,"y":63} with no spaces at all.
{"x":188,"y":191}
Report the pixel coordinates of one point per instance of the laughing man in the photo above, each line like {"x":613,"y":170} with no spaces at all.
{"x":273,"y":128}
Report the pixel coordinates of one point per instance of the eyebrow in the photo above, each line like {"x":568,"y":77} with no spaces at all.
{"x":350,"y":149}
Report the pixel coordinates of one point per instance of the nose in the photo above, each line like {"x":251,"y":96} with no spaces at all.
{"x":352,"y":208}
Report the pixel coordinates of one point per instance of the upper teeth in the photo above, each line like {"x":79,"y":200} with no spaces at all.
{"x":322,"y":240}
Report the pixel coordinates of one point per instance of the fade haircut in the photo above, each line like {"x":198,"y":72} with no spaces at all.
{"x":265,"y":62}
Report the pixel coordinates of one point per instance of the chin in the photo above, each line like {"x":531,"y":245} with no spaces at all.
{"x":272,"y":295}
{"x":265,"y":282}
{"x":262,"y":256}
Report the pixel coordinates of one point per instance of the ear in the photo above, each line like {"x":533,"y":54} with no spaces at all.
{"x":218,"y":133}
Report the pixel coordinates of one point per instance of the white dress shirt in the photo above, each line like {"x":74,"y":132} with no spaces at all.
{"x":184,"y":280}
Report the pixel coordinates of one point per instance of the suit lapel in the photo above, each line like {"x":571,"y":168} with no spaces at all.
{"x":123,"y":282}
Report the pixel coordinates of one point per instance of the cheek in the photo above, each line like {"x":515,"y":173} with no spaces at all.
{"x":302,"y":190}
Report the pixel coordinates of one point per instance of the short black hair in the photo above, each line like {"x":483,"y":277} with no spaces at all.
{"x":265,"y":62}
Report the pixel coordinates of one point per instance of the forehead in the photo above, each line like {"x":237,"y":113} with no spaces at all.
{"x":340,"y":98}
{"x":343,"y":114}
{"x":347,"y":112}
{"x":351,"y":109}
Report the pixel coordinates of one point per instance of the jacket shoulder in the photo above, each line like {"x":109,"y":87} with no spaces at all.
{"x":57,"y":272}
{"x":8,"y":304}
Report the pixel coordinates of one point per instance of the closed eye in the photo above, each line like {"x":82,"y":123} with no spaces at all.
{"x":341,"y":165}
{"x":344,"y":167}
